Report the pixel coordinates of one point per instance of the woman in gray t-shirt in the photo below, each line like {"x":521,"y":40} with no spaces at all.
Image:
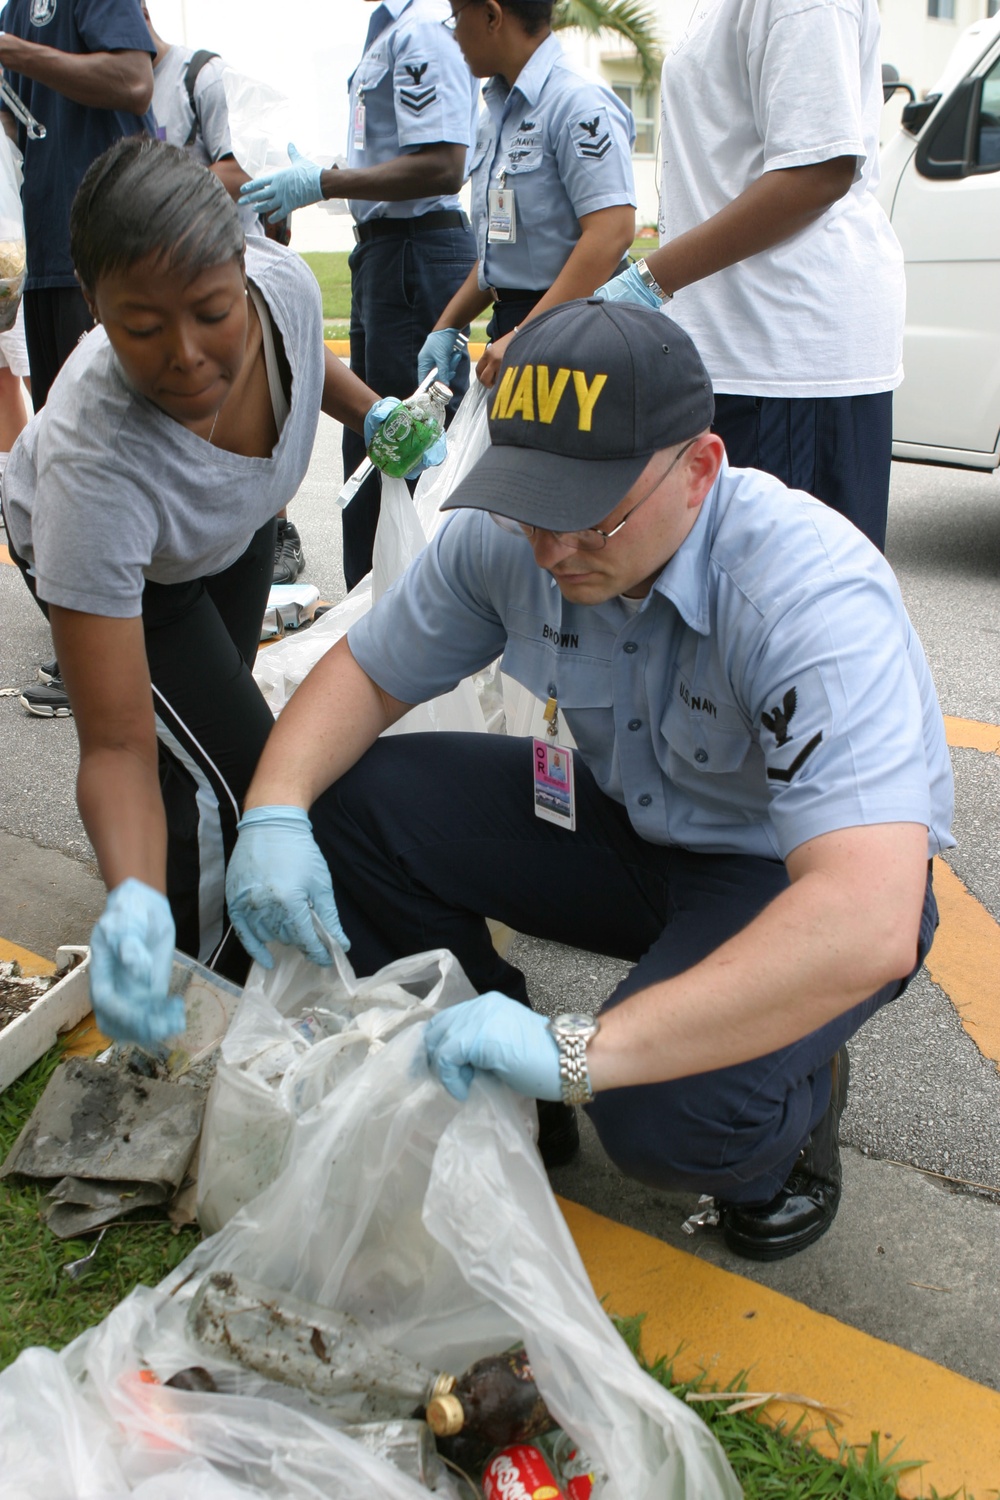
{"x":140,"y":506}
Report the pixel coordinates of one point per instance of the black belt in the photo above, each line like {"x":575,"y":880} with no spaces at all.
{"x":516,"y":293}
{"x":534,"y":293}
{"x":442,"y":218}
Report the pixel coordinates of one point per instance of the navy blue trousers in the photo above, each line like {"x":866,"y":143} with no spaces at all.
{"x":399,"y":288}
{"x":838,"y":448}
{"x":430,"y":831}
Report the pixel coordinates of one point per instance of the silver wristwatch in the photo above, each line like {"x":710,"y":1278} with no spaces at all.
{"x":572,"y":1032}
{"x":648,"y":279}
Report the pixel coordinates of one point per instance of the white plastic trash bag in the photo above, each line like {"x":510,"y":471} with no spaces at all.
{"x":298,"y":1030}
{"x":262,"y":121}
{"x":13,"y":262}
{"x":431,"y":1222}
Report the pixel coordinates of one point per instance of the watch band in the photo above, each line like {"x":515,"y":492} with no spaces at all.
{"x":648,"y":279}
{"x":572,"y":1032}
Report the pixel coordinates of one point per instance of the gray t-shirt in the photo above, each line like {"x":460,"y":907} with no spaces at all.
{"x":174,"y":116}
{"x":103,"y":490}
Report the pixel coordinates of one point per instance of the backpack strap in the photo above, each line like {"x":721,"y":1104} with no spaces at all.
{"x":194,"y":67}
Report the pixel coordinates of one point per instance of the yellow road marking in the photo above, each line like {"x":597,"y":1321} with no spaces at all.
{"x":729,"y":1326}
{"x":5,"y":556}
{"x":965,"y":960}
{"x":970,"y":734}
{"x":31,"y":963}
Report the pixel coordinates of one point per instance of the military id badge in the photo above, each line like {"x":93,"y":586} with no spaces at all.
{"x":502,"y":223}
{"x":358,"y":133}
{"x":555,"y":793}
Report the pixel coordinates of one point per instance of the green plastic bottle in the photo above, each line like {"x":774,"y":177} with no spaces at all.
{"x":408,"y":431}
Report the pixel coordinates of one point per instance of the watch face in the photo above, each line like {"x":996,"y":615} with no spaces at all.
{"x":574,"y":1023}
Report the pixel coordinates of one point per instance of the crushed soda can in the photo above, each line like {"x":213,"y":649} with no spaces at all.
{"x":520,"y":1472}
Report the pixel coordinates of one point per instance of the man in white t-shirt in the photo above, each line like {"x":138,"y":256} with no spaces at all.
{"x":775,"y":254}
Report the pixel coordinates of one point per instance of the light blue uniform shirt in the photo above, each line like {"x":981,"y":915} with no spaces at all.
{"x":416,"y":91}
{"x":563,"y":143}
{"x":770,"y":689}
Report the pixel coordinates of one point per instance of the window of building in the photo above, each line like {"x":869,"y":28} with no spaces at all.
{"x":941,"y":10}
{"x":643,"y":104}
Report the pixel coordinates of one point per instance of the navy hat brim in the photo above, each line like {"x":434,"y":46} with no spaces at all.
{"x":544,"y":489}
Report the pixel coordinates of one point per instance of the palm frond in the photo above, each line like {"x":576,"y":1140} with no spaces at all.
{"x":631,"y":19}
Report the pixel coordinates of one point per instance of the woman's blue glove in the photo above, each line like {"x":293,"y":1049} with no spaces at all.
{"x":277,"y":879}
{"x":131,"y":956}
{"x":439,"y":349}
{"x":278,"y":193}
{"x":628,"y":287}
{"x":377,"y":414}
{"x":496,"y":1035}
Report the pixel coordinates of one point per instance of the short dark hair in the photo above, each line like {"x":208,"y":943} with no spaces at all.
{"x":143,"y":197}
{"x":534,"y":17}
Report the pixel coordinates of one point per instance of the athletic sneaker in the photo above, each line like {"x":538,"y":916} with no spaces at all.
{"x":289,"y":559}
{"x":47,"y":700}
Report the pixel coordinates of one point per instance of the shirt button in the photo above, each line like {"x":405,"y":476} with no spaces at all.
{"x":645,"y":800}
{"x":630,"y":647}
{"x":701,"y":756}
{"x":635,"y":723}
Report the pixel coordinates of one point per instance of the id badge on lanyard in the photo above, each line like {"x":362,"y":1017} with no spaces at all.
{"x":552,"y":772}
{"x":502,"y":228}
{"x":358,"y":123}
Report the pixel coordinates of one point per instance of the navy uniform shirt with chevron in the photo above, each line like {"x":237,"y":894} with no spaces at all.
{"x":416,"y":91}
{"x":562,"y":142}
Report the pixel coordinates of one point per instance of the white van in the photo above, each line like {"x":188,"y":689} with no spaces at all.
{"x":941,"y":188}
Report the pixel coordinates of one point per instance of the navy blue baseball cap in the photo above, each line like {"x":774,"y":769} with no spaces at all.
{"x":586,"y":394}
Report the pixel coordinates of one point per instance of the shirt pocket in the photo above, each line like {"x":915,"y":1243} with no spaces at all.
{"x":707,"y":735}
{"x":371,"y":71}
{"x":523,"y":149}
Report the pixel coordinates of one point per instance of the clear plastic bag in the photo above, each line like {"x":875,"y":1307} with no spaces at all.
{"x":297,"y":1032}
{"x":261,"y":123}
{"x":13,"y":263}
{"x":405,"y":526}
{"x":431,"y":1222}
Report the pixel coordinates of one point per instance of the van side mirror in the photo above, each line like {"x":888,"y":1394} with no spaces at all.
{"x":916,"y":115}
{"x":892,"y":83}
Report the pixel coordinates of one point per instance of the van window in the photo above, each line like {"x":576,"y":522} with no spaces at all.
{"x":988,"y":136}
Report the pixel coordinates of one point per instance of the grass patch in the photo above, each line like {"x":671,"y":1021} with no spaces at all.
{"x":39,"y":1305}
{"x":331,"y":271}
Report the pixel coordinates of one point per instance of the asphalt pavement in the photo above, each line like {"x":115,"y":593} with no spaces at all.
{"x":913,"y":1256}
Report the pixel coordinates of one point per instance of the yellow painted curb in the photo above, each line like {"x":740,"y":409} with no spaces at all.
{"x":31,"y":963}
{"x":706,"y":1319}
{"x":965,"y":961}
{"x":342,"y":349}
{"x":970,"y":734}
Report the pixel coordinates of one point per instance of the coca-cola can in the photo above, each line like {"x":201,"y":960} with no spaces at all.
{"x":579,"y":1487}
{"x":520,"y":1472}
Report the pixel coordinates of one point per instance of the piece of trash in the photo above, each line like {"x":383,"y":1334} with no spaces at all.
{"x":747,"y":1400}
{"x":77,"y":1268}
{"x":706,"y":1217}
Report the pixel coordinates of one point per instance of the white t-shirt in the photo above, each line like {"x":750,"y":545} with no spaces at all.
{"x":103,"y":490}
{"x":756,"y":86}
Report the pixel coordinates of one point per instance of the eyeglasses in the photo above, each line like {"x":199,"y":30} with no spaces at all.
{"x":452,"y":21}
{"x":592,"y":539}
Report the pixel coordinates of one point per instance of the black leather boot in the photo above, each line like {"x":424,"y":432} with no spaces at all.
{"x":807,"y":1204}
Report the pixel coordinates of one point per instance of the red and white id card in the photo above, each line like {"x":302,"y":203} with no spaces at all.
{"x":555,"y":793}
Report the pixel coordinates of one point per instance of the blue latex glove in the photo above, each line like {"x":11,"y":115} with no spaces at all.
{"x":628,"y":287}
{"x":289,"y":188}
{"x":496,"y":1035}
{"x":439,"y":349}
{"x":373,"y":421}
{"x":131,"y":956}
{"x":276,"y":879}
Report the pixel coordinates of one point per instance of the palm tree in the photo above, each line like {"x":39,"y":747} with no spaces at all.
{"x":630,"y":19}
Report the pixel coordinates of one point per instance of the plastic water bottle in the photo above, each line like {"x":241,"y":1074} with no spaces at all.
{"x":407,"y":432}
{"x":314,"y":1348}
